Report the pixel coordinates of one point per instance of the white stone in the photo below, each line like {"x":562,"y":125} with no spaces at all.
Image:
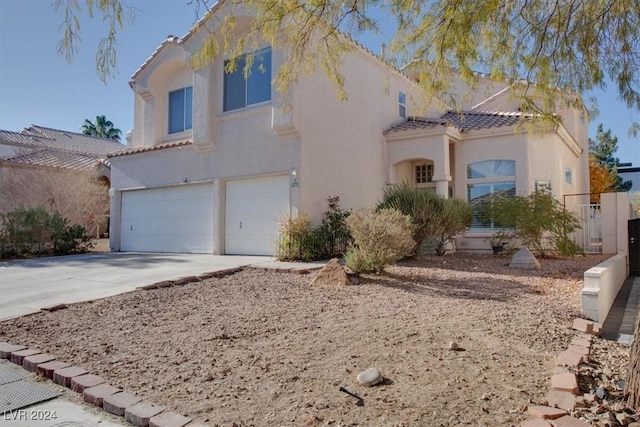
{"x":370,"y":377}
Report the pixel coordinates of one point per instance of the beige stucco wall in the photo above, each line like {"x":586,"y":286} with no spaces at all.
{"x":336,"y":148}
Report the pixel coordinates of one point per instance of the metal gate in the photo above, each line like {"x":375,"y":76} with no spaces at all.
{"x":634,"y":247}
{"x":589,"y":237}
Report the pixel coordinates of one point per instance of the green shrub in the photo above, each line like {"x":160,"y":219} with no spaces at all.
{"x":300,"y":241}
{"x":537,"y":221}
{"x":379,"y":239}
{"x":455,"y":218}
{"x":425,"y":209}
{"x":36,"y":231}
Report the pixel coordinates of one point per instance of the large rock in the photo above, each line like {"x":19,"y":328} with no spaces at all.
{"x":524,"y":259}
{"x":332,"y":274}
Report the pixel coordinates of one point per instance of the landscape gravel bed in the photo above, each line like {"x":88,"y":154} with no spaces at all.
{"x":261,"y":348}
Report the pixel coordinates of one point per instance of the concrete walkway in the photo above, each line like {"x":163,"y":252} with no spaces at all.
{"x":621,"y":320}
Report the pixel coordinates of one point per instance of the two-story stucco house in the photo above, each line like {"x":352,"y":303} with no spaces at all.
{"x":215,"y":158}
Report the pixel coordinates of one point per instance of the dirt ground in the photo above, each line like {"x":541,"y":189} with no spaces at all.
{"x":259,"y":348}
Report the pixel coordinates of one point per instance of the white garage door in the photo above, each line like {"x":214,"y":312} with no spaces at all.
{"x":171,"y":219}
{"x":253,"y":208}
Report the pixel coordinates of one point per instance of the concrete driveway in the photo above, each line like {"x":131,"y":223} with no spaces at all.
{"x":28,"y":285}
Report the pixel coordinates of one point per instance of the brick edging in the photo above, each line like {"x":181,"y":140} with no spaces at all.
{"x":561,"y":399}
{"x":95,"y":390}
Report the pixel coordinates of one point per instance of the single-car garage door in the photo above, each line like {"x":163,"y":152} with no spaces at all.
{"x":253,"y":208}
{"x":170,"y":219}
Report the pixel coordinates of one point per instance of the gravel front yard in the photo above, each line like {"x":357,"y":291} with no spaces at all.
{"x":259,"y":348}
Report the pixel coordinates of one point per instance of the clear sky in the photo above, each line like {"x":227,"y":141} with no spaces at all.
{"x":37,"y":86}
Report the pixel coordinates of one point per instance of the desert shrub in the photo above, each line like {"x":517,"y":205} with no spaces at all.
{"x":36,"y":231}
{"x":455,"y":218}
{"x":425,"y":209}
{"x":293,"y":229}
{"x":379,"y":239}
{"x":299,"y":240}
{"x":537,"y":221}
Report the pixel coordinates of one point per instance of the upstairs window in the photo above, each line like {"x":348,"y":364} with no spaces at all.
{"x":241,"y":91}
{"x":567,"y":176}
{"x":402,"y":105}
{"x":180,"y":109}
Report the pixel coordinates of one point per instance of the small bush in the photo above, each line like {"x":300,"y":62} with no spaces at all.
{"x":37,"y":232}
{"x":293,"y":231}
{"x":379,"y":239}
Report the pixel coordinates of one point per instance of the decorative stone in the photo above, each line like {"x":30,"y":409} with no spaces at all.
{"x":6,"y":349}
{"x":95,"y":395}
{"x":535,"y":422}
{"x":31,"y":362}
{"x":117,"y":403}
{"x":79,"y":383}
{"x":525,"y":260}
{"x":546,"y":412}
{"x":561,"y":399}
{"x":169,"y":419}
{"x":583,"y":325}
{"x":140,"y":413}
{"x":63,"y":376}
{"x":17,"y":357}
{"x":453,"y":345}
{"x":565,"y":382}
{"x":568,"y":358}
{"x":370,"y":377}
{"x":332,"y":274}
{"x":569,"y":421}
{"x":47,"y":369}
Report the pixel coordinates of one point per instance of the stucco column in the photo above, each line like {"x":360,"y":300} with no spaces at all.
{"x":203,"y":108}
{"x":442,"y":170}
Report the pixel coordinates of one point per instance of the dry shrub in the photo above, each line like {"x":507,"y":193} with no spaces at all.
{"x":380,"y":238}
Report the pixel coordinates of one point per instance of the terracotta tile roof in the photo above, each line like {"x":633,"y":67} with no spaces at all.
{"x":56,"y":159}
{"x":149,"y":148}
{"x":463,"y":121}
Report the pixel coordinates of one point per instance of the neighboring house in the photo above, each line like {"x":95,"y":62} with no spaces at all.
{"x":215,"y":159}
{"x":630,"y":173}
{"x":60,"y":170}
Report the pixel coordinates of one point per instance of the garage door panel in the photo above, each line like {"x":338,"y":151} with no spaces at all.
{"x":173,"y":219}
{"x":253,"y":208}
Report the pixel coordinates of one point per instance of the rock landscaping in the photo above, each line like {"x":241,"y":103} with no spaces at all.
{"x":267,"y":348}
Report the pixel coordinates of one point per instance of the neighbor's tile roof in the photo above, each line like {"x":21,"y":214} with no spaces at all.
{"x":463,"y":121}
{"x":56,"y":159}
{"x":72,"y":141}
{"x":149,"y":148}
{"x":38,"y":145}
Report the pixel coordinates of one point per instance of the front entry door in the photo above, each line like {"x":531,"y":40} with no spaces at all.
{"x":634,"y":247}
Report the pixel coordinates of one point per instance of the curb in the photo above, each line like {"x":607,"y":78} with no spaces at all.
{"x":95,"y":391}
{"x":564,"y":391}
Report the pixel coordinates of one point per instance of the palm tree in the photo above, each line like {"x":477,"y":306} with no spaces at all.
{"x":103,"y":128}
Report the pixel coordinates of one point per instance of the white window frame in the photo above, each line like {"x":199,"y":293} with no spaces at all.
{"x":402,"y":105}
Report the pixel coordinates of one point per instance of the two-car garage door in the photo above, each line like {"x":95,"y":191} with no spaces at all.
{"x":181,"y":218}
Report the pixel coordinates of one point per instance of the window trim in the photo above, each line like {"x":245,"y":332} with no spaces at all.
{"x":428,"y":173}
